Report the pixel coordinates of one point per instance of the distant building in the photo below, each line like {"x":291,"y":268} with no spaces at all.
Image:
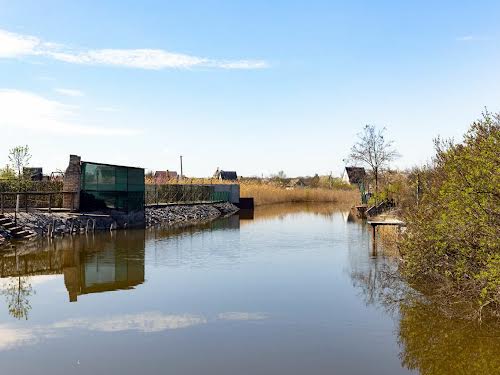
{"x":354,"y":175}
{"x":34,"y":174}
{"x":225,"y":175}
{"x":296,"y":183}
{"x":165,"y":175}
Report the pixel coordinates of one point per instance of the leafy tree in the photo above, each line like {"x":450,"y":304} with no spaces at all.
{"x":19,"y":157}
{"x":374,"y":151}
{"x":7,"y":173}
{"x":452,"y":239}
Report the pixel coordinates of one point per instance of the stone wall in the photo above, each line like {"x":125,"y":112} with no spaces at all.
{"x":72,"y":178}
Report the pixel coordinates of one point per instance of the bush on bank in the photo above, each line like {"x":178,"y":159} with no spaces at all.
{"x":452,"y":241}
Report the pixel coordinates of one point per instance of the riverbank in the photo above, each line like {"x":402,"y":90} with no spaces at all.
{"x":42,"y":223}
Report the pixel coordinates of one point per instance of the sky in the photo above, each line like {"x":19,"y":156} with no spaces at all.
{"x":252,"y":86}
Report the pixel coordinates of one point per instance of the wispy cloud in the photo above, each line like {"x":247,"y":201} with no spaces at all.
{"x":14,"y":45}
{"x":470,"y":38}
{"x":144,"y":322}
{"x":27,"y":110}
{"x":69,"y":92}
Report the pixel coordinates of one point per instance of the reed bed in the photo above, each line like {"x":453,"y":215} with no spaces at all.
{"x":271,"y":194}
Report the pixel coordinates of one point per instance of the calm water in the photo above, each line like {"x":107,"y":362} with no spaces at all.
{"x":293,"y":291}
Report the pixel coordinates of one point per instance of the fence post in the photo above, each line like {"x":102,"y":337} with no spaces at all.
{"x":50,"y":202}
{"x":26,"y":196}
{"x":1,"y":202}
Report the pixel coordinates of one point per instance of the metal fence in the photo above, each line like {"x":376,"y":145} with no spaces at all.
{"x":182,"y":193}
{"x":27,"y":200}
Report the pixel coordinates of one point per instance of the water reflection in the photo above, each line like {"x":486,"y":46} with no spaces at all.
{"x":431,"y":343}
{"x":295,"y":290}
{"x":95,"y":263}
{"x":90,"y":264}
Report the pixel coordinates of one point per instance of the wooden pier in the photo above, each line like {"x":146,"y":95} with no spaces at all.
{"x":375,"y":223}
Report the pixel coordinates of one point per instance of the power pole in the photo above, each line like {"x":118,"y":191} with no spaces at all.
{"x":181,"y":169}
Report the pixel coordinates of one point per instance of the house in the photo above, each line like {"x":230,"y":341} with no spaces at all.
{"x":225,"y":175}
{"x":165,"y":175}
{"x":34,"y":174}
{"x":354,"y":175}
{"x":296,"y":183}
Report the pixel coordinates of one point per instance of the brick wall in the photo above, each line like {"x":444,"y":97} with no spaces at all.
{"x":72,"y":178}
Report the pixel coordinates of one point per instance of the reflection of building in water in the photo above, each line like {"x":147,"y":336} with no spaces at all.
{"x":101,"y":270}
{"x":90,"y":264}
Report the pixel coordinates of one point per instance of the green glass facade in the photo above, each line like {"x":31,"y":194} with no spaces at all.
{"x":105,"y":186}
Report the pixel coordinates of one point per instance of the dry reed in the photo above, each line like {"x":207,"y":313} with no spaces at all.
{"x":271,"y":194}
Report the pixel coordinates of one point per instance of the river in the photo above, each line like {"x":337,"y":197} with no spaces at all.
{"x":291,"y":289}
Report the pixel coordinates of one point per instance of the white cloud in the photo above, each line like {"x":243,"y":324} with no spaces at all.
{"x":10,"y":337}
{"x":17,"y":45}
{"x":144,"y":322}
{"x":26,"y":110}
{"x":69,"y":92}
{"x":471,"y":38}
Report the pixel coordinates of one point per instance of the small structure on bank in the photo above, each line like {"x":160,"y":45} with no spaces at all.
{"x":357,"y":176}
{"x":225,"y":175}
{"x":354,"y":175}
{"x":296,"y":183}
{"x":163,"y":176}
{"x":113,"y":190}
{"x":33,"y":173}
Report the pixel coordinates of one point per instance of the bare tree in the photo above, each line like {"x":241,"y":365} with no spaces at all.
{"x":19,"y":157}
{"x":374,"y":151}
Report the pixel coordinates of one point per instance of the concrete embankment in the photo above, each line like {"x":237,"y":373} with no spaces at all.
{"x":43,"y":223}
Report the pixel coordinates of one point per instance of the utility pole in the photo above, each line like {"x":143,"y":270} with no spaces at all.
{"x":182,"y":176}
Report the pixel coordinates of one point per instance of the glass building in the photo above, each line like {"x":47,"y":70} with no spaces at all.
{"x":111,"y":187}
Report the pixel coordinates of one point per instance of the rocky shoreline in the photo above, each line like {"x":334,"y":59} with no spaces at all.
{"x":59,"y":224}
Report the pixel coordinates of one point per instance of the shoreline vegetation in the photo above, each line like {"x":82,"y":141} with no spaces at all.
{"x":450,"y":248}
{"x":451,"y":245}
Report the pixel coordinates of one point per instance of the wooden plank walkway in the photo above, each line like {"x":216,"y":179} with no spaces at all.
{"x":375,"y":223}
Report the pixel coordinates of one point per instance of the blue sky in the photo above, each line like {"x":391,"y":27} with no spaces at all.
{"x":252,"y":86}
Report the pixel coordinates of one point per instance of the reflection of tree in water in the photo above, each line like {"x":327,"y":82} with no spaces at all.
{"x":435,"y":344}
{"x":17,"y":293}
{"x":431,"y":343}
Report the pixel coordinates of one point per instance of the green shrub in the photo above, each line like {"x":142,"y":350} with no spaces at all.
{"x":452,"y":241}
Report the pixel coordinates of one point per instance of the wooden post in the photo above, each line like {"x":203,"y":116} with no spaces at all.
{"x":26,"y":196}
{"x":50,"y":202}
{"x":1,"y":202}
{"x":374,"y":240}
